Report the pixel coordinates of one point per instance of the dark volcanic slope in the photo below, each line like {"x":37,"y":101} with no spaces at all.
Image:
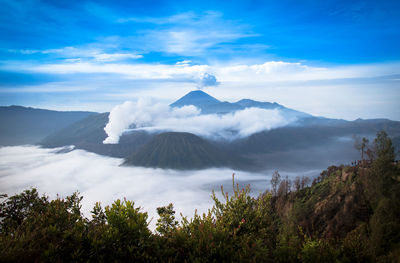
{"x":180,"y":150}
{"x":21,"y":125}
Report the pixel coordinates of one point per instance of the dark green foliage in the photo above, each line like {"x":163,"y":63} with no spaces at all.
{"x":319,"y":250}
{"x":42,"y":230}
{"x":385,"y":200}
{"x":125,"y":235}
{"x":17,"y":208}
{"x":348,"y":214}
{"x":239,"y":229}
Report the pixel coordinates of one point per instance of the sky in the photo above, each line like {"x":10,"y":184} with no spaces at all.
{"x":338,"y":59}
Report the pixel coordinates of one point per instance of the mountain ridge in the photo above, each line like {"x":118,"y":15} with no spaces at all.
{"x":210,"y":105}
{"x":27,"y":125}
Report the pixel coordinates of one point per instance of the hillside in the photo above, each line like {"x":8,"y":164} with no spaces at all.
{"x":179,"y":150}
{"x":22,"y":125}
{"x":334,"y":205}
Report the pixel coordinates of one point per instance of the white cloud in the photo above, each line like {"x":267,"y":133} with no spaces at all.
{"x":100,"y":178}
{"x":132,"y":71}
{"x":270,"y":71}
{"x":150,"y":116}
{"x":184,"y":63}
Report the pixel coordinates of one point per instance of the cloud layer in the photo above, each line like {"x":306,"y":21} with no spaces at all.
{"x":147,"y":115}
{"x":100,"y":178}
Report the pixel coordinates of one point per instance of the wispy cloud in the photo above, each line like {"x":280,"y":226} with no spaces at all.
{"x":191,"y":34}
{"x":74,"y":54}
{"x":183,"y":18}
{"x":270,"y":71}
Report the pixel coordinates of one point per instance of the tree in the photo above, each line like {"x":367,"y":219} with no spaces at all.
{"x":166,"y":223}
{"x":384,"y":195}
{"x":305,"y":180}
{"x":297,"y":183}
{"x":275,"y":180}
{"x":127,"y":236}
{"x":15,"y":209}
{"x":383,"y":147}
{"x":361,"y":145}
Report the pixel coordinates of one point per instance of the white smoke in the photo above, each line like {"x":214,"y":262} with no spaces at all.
{"x":143,"y":113}
{"x":207,"y":80}
{"x":147,"y":115}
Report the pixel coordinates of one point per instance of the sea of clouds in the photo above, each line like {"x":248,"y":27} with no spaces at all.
{"x":146,"y":114}
{"x":100,"y":178}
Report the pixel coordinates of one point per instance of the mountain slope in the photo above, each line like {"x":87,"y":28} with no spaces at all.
{"x":197,"y":98}
{"x":88,"y":134}
{"x":89,"y":129}
{"x":21,"y":125}
{"x":180,"y":150}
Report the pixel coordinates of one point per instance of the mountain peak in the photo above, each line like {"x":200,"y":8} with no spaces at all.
{"x":197,"y":98}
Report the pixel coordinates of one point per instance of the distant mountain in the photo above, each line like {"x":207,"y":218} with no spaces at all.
{"x":303,"y":143}
{"x":210,"y":105}
{"x":197,"y":98}
{"x":247,"y":103}
{"x":90,"y":129}
{"x":296,"y":137}
{"x":88,"y":134}
{"x":21,"y":125}
{"x":180,"y":150}
{"x":206,"y":103}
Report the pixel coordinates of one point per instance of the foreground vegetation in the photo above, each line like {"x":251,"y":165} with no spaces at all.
{"x":348,"y":214}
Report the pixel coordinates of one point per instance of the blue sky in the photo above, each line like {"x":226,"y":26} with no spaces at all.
{"x":334,"y":58}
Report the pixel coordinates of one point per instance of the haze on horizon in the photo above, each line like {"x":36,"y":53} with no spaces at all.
{"x":335,"y":59}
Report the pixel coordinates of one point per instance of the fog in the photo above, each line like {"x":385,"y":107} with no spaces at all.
{"x":100,"y":178}
{"x":146,"y":114}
